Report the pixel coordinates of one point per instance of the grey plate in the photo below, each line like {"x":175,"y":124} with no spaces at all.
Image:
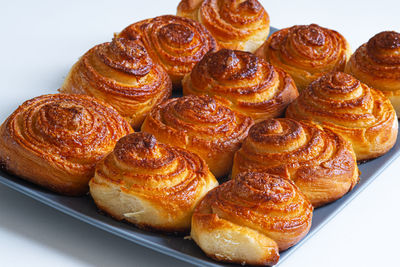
{"x":84,"y":209}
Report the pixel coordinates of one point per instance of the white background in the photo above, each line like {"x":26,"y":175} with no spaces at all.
{"x":40,"y":40}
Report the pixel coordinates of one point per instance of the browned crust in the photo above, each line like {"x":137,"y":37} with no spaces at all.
{"x":122,"y":74}
{"x":320,"y":162}
{"x":232,"y":23}
{"x":306,"y":52}
{"x":169,"y":179}
{"x":186,"y":40}
{"x":361,"y":115}
{"x":202,"y":125}
{"x":243,"y":82}
{"x":56,"y":140}
{"x":268,"y":204}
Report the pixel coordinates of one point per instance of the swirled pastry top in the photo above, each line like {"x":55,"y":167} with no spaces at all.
{"x":61,"y":136}
{"x":242,"y":81}
{"x":306,"y":52}
{"x":122,"y":74}
{"x":359,"y":113}
{"x":166,"y":181}
{"x":377,"y":62}
{"x":320,"y":162}
{"x":174,"y":42}
{"x":267,"y":208}
{"x":380,"y":55}
{"x":241,"y":25}
{"x":200,"y":124}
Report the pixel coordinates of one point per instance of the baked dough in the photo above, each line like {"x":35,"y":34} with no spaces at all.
{"x":361,"y":115}
{"x":122,"y":74}
{"x":152,"y":185}
{"x":56,"y":140}
{"x":250,"y":219}
{"x":321,"y":163}
{"x":176,"y":43}
{"x":377,"y":63}
{"x":202,"y":125}
{"x":306,"y":52}
{"x":235,"y":24}
{"x":243,"y":82}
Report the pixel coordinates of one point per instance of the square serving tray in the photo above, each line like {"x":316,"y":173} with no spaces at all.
{"x":83,"y":208}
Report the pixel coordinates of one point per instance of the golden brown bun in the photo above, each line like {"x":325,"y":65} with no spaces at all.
{"x":377,"y":63}
{"x":321,"y":163}
{"x":239,"y":25}
{"x":360,"y":114}
{"x":56,"y":140}
{"x":243,"y":82}
{"x":306,"y":52}
{"x":175,"y":43}
{"x":122,"y":74}
{"x":201,"y":125}
{"x":154,"y":186}
{"x":250,"y":219}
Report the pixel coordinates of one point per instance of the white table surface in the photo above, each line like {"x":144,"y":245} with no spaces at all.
{"x":40,"y":40}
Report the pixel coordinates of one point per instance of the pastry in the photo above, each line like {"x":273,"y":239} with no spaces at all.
{"x":175,"y":43}
{"x":235,"y":24}
{"x":306,"y":52}
{"x":152,"y":185}
{"x":377,"y":63}
{"x":250,"y":219}
{"x":243,"y":82}
{"x":122,"y":74}
{"x":321,"y":163}
{"x":360,"y":114}
{"x":56,"y":140}
{"x":202,"y":125}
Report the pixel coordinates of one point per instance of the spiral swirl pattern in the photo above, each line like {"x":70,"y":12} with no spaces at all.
{"x":239,"y":25}
{"x":202,"y":125}
{"x":122,"y":74}
{"x":243,"y":82}
{"x":251,"y":218}
{"x":306,"y":52}
{"x":321,"y":163}
{"x":362,"y":115}
{"x":175,"y":43}
{"x":152,"y":185}
{"x":56,"y":140}
{"x":377,"y":63}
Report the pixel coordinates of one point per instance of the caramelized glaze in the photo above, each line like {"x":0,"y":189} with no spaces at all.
{"x":268,"y":204}
{"x":306,"y":52}
{"x":243,"y":82}
{"x":200,"y":124}
{"x":169,"y":179}
{"x":56,"y":140}
{"x":320,"y":162}
{"x":175,"y":43}
{"x":359,"y":113}
{"x":122,"y":74}
{"x":241,"y":25}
